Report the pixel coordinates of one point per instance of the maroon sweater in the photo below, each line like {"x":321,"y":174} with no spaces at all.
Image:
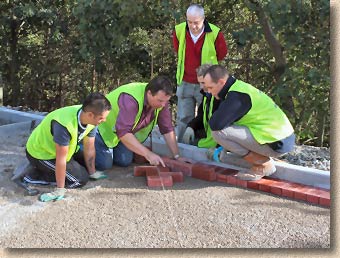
{"x":193,"y":52}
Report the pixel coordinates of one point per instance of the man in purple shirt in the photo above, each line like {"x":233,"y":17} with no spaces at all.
{"x":136,"y":108}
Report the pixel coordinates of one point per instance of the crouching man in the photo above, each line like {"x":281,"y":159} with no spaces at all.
{"x":248,"y":123}
{"x":52,"y":148}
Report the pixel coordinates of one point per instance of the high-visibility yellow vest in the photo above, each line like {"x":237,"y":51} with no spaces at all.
{"x":41,"y":145}
{"x":265,"y":120}
{"x":208,"y":55}
{"x":107,"y":129}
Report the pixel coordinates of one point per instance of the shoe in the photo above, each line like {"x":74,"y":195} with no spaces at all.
{"x":261,"y":165}
{"x":248,"y":176}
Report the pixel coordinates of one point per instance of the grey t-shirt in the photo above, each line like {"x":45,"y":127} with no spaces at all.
{"x":63,"y":137}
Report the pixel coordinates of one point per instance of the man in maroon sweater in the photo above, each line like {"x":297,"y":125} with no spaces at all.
{"x":196,"y":42}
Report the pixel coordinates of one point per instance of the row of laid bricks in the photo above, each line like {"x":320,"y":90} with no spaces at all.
{"x":159,"y":176}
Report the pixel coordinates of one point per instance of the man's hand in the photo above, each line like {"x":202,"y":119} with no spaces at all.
{"x":189,"y":136}
{"x":214,"y":153}
{"x":56,"y":195}
{"x":154,"y":159}
{"x":98,"y":175}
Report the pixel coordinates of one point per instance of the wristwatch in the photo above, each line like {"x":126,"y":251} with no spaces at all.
{"x":176,"y":156}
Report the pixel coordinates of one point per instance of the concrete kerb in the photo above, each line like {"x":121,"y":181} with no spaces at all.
{"x":15,"y":123}
{"x":9,"y":116}
{"x":14,"y":130}
{"x":293,"y":173}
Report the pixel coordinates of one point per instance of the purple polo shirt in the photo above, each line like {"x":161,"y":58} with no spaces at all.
{"x":128,"y":109}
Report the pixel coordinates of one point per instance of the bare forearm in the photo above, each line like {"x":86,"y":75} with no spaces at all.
{"x":60,"y":173}
{"x":60,"y":165}
{"x":90,"y":157}
{"x":170,"y":139}
{"x":90,"y":154}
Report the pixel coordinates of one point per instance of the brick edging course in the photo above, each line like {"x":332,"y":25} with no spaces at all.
{"x":207,"y":172}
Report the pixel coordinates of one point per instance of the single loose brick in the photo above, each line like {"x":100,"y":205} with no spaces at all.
{"x":159,"y":181}
{"x":178,"y":166}
{"x":145,"y":170}
{"x":177,"y":177}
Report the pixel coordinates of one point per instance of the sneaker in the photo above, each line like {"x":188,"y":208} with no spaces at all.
{"x":266,"y":169}
{"x":246,"y":176}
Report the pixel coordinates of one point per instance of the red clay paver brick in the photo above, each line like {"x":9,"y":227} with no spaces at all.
{"x":159,"y":181}
{"x":253,"y":185}
{"x":241,"y":183}
{"x":313,"y":195}
{"x":143,"y":170}
{"x":325,"y":201}
{"x":264,"y":185}
{"x":232,"y":180}
{"x":204,"y":172}
{"x":222,"y":175}
{"x":178,"y":166}
{"x":279,"y":187}
{"x":177,"y":177}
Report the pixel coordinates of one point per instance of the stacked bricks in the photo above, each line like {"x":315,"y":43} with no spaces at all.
{"x":174,"y":170}
{"x":158,"y":176}
{"x":175,"y":165}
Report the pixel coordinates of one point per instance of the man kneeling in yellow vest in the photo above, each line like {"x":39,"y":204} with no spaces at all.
{"x":248,"y":123}
{"x":53,"y":146}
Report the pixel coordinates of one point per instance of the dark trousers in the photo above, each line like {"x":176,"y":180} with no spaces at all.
{"x":76,"y":174}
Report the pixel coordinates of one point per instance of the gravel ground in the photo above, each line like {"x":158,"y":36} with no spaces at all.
{"x":309,"y":156}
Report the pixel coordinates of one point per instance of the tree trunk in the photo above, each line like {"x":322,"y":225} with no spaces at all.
{"x":61,"y":92}
{"x":14,"y":97}
{"x":151,"y":72}
{"x":321,"y":128}
{"x":94,"y":75}
{"x":278,"y":53}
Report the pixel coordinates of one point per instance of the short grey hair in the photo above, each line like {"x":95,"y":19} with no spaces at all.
{"x":195,"y":9}
{"x":202,"y":69}
{"x":217,"y":72}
